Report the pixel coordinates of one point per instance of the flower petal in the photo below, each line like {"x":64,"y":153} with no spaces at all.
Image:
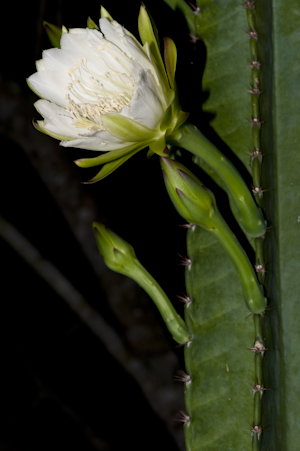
{"x":50,"y":85}
{"x":145,"y":106}
{"x":127,"y":129}
{"x":94,"y":143}
{"x":48,"y":109}
{"x":108,"y":168}
{"x":108,"y":156}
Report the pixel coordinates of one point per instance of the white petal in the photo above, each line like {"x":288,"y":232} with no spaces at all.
{"x":49,"y":109}
{"x":62,"y":125}
{"x":39,"y":64}
{"x":77,"y":30}
{"x":94,"y":144}
{"x":57,"y":60}
{"x":113,"y":32}
{"x":50,"y":85}
{"x":103,"y":135}
{"x":77,"y":47}
{"x":146,"y":108}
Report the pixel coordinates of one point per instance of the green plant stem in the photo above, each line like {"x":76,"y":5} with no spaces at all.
{"x":173,"y":320}
{"x":193,"y":140}
{"x":253,"y":292}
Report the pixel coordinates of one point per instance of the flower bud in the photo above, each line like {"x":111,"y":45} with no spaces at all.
{"x":117,"y":253}
{"x":195,"y":203}
{"x":120,"y":257}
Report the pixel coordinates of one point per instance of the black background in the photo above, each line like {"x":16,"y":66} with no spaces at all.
{"x":60,"y":387}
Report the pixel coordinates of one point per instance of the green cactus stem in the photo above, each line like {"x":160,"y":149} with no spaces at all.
{"x":256,"y":158}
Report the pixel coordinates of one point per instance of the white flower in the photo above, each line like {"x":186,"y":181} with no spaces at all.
{"x":104,"y":91}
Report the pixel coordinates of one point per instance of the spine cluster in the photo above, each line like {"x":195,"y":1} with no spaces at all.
{"x":256,"y":157}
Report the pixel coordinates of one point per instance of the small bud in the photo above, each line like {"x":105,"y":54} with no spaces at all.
{"x":195,"y":203}
{"x":117,"y":253}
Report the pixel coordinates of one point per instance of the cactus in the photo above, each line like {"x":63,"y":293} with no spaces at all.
{"x":272,"y":135}
{"x":241,"y":372}
{"x":241,"y":368}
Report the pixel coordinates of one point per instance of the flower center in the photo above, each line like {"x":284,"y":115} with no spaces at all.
{"x":91,"y":95}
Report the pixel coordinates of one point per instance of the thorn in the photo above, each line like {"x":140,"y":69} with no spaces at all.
{"x":258,"y":388}
{"x":258,"y":347}
{"x":254,"y":91}
{"x":255,"y":121}
{"x":194,"y":38}
{"x":260,"y":268}
{"x":184,"y":261}
{"x":251,"y":34}
{"x":254,"y":64}
{"x":196,"y":9}
{"x":248,"y":5}
{"x":183,"y":417}
{"x":185,"y":299}
{"x":259,"y":191}
{"x":184,"y":344}
{"x":187,"y":226}
{"x":182,"y":377}
{"x":255,"y":154}
{"x":255,"y":430}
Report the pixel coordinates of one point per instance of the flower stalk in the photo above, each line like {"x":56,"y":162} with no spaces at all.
{"x":250,"y":216}
{"x":197,"y":205}
{"x":120,"y":257}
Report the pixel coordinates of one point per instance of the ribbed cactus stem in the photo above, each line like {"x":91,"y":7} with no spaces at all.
{"x":256,"y":161}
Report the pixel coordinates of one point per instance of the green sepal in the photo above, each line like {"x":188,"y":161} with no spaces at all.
{"x":127,"y":129}
{"x":167,"y":119}
{"x":91,"y":24}
{"x":192,"y":201}
{"x":38,"y":125}
{"x":170,"y":96}
{"x":150,"y":154}
{"x":182,"y":116}
{"x":147,"y":34}
{"x":110,"y":167}
{"x":108,"y":156}
{"x":170,"y":60}
{"x":116,"y":252}
{"x":158,"y":146}
{"x":105,"y":13}
{"x":197,"y":215}
{"x":54,"y":34}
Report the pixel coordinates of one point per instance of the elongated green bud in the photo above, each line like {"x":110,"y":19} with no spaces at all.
{"x":250,"y":216}
{"x":197,"y":205}
{"x":120,"y":257}
{"x":192,"y":200}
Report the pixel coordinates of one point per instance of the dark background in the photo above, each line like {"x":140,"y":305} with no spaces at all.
{"x":61,"y":388}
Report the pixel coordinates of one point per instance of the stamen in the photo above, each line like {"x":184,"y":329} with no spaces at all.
{"x":90,"y":97}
